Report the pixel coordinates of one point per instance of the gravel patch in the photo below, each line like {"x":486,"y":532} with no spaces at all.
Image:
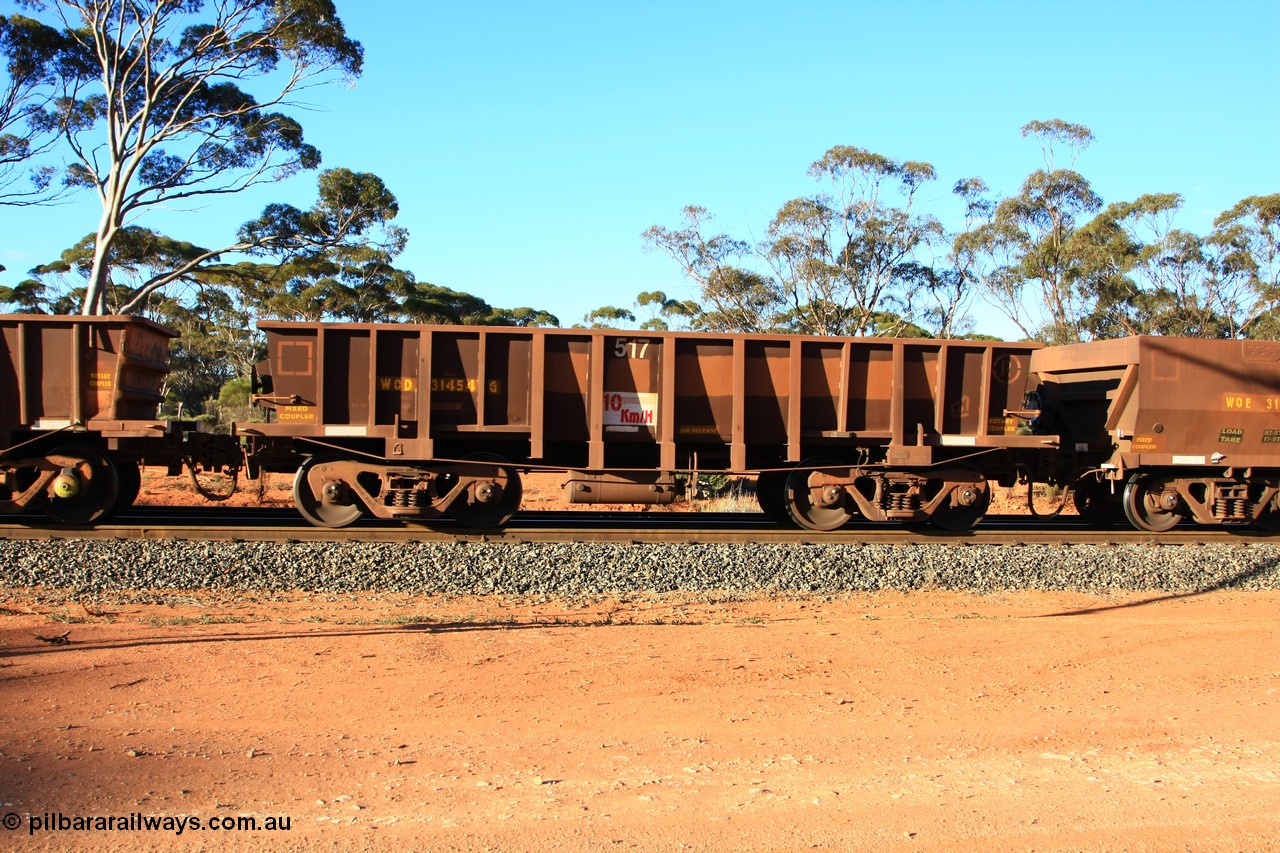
{"x":578,"y":569}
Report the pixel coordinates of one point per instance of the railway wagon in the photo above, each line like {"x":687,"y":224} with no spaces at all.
{"x":78,"y":414}
{"x":413,"y":421}
{"x":1174,"y":428}
{"x":79,"y":394}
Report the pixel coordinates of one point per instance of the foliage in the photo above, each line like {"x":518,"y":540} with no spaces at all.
{"x":666,"y":313}
{"x":846,"y":261}
{"x":735,"y":298}
{"x":848,"y":257}
{"x":858,"y":258}
{"x":1026,"y":244}
{"x":153,"y":105}
{"x":1246,"y":239}
{"x":217,"y":345}
{"x":609,"y":317}
{"x":35,"y":60}
{"x":1144,"y":277}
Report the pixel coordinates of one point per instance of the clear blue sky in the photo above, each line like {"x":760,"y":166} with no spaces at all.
{"x":530,"y":143}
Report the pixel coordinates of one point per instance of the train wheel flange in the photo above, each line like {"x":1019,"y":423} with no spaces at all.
{"x":130,"y":479}
{"x":1268,"y":518}
{"x":323,"y":499}
{"x":491,"y":497}
{"x":86,"y":487}
{"x":771,"y":494}
{"x":1150,"y":503}
{"x":815,"y":499}
{"x":1094,"y":502}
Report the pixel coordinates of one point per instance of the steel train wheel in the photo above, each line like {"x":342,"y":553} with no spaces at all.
{"x":130,"y":477}
{"x":964,"y":509}
{"x":1268,"y":521}
{"x":492,"y":496}
{"x":84,"y":490}
{"x":1094,"y":503}
{"x":829,"y":510}
{"x":1149,"y":505}
{"x":771,"y":494}
{"x":324,"y":501}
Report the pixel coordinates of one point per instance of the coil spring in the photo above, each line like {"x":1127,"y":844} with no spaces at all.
{"x":407,"y":498}
{"x":900,"y":502}
{"x":1230,"y":508}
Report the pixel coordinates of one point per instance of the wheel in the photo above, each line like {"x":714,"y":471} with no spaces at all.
{"x":130,"y":477}
{"x":1149,"y":505}
{"x":323,"y":499}
{"x":830,"y":510}
{"x":85,"y":489}
{"x":1268,"y":521}
{"x":1095,"y":503}
{"x":771,"y":494}
{"x":964,"y":508}
{"x":491,"y":497}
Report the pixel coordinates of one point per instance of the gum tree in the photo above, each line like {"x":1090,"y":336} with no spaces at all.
{"x":1023,"y":254}
{"x":179,"y":102}
{"x":735,"y":298}
{"x":848,"y":257}
{"x":35,"y":57}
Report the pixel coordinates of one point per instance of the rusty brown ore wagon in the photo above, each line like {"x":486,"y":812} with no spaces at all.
{"x":406,"y":421}
{"x":422,"y":422}
{"x":78,"y":403}
{"x":1167,"y":428}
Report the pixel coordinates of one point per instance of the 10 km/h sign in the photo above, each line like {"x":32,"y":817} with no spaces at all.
{"x":630,"y":408}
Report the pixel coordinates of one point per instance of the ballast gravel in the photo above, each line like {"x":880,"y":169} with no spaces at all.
{"x":583,"y":569}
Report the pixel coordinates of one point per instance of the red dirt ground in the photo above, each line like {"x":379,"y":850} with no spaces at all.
{"x":931,"y":721}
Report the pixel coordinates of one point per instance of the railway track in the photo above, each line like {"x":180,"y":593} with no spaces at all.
{"x":284,"y":525}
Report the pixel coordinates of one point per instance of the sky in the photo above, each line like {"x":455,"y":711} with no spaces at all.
{"x":530,"y":143}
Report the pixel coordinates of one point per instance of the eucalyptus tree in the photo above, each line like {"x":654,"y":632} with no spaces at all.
{"x":356,"y":282}
{"x":609,"y":317}
{"x":185,"y":104}
{"x":32,"y":296}
{"x":1023,"y":253}
{"x":665,"y":312}
{"x":36,"y":58}
{"x":1246,"y":242}
{"x":217,"y":344}
{"x":138,"y":254}
{"x":350,"y":219}
{"x":846,"y":257}
{"x":523,"y":316}
{"x":430,"y":303}
{"x":1138,"y":275}
{"x":736,"y":298}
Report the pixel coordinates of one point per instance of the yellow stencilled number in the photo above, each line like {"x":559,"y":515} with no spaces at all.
{"x":464,"y":386}
{"x":453,"y":385}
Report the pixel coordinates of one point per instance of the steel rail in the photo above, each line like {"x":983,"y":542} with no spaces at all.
{"x":548,"y":527}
